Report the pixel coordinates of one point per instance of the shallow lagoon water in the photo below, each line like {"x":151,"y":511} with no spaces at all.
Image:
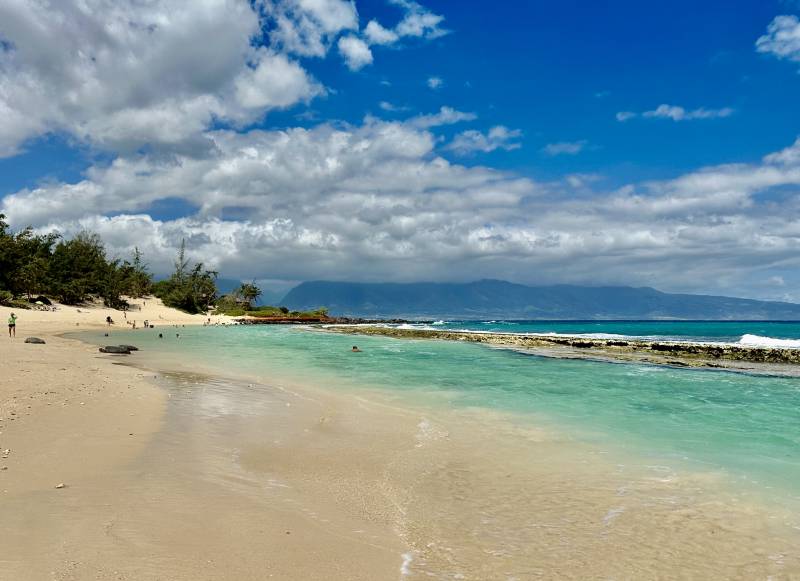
{"x":469,"y":462}
{"x":745,"y":428}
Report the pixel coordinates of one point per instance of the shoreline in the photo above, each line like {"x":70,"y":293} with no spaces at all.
{"x":72,"y":423}
{"x":231,"y":479}
{"x":471,"y":493}
{"x":150,"y":489}
{"x":463,"y":493}
{"x":758,"y":360}
{"x":454,"y":472}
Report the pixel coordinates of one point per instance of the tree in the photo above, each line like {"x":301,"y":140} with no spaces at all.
{"x":136,"y":280}
{"x":249,"y":292}
{"x":114,"y":286}
{"x":33,"y":275}
{"x":191,"y":291}
{"x":23,"y":258}
{"x":181,"y":264}
{"x":72,"y":270}
{"x":78,"y":268}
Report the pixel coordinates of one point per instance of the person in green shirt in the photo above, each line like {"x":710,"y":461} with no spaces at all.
{"x":12,"y":325}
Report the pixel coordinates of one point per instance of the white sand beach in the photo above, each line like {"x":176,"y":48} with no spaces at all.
{"x":79,"y":499}
{"x":186,"y":476}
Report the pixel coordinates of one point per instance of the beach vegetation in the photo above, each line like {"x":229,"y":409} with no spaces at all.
{"x":249,"y":292}
{"x":136,"y":279}
{"x":71,"y":270}
{"x":232,"y":306}
{"x":6,"y":298}
{"x":75,"y":270}
{"x":192,"y":290}
{"x":78,"y":268}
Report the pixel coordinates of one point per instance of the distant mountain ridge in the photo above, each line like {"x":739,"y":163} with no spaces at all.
{"x":504,"y":300}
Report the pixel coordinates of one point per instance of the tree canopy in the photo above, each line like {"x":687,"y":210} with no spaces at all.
{"x":71,"y":271}
{"x":192,"y":290}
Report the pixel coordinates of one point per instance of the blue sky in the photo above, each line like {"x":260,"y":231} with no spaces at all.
{"x":534,"y":141}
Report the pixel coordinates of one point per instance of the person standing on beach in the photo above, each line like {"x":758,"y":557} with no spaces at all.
{"x":12,"y":325}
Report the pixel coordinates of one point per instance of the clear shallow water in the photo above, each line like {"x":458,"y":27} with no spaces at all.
{"x":722,"y":331}
{"x":747,"y":427}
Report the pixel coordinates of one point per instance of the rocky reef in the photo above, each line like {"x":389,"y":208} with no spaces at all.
{"x":677,"y":353}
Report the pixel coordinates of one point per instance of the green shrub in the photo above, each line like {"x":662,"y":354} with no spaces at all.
{"x":232,"y":312}
{"x":191,"y":290}
{"x":265,"y":310}
{"x":229,"y":305}
{"x":6,"y":297}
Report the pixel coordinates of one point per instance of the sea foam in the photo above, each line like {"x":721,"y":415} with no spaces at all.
{"x":405,"y":568}
{"x":759,"y":341}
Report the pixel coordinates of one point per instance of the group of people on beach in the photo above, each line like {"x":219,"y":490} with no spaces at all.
{"x":12,"y":328}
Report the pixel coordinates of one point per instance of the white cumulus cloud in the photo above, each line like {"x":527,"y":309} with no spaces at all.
{"x":309,"y":27}
{"x":498,"y":137}
{"x":129,"y":73}
{"x":374,"y":201}
{"x":417,"y":22}
{"x":273,"y":81}
{"x":377,"y":34}
{"x":565,"y":147}
{"x":677,"y":113}
{"x":782,"y":39}
{"x":435,"y":83}
{"x":355,"y":52}
{"x":445,"y":116}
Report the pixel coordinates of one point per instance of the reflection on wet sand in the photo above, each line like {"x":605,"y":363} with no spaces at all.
{"x":382,"y":488}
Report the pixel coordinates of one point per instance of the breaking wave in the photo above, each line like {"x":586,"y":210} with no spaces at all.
{"x":759,"y":341}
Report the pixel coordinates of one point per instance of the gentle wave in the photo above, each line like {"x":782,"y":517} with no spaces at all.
{"x":590,"y":335}
{"x":413,"y":326}
{"x":746,"y":340}
{"x":759,"y":341}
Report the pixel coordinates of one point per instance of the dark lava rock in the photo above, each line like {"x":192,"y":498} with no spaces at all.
{"x":117,"y":349}
{"x":40,"y":299}
{"x":668,"y":348}
{"x":35,"y":340}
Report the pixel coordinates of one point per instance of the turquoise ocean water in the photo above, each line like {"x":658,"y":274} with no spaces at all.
{"x":745,"y":427}
{"x":756,"y":332}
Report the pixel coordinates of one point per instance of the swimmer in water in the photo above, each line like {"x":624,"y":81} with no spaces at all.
{"x":355,"y":349}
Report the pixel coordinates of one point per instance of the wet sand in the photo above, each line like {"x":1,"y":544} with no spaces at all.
{"x":382,"y":488}
{"x":194,"y":476}
{"x":109,"y":471}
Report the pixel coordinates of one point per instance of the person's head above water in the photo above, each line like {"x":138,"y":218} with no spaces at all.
{"x":355,"y":348}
